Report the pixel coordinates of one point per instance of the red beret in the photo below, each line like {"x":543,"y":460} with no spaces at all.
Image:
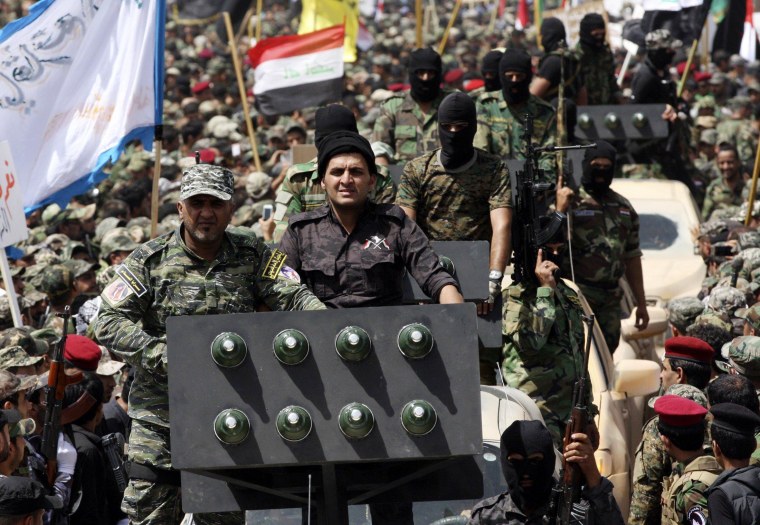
{"x":678,"y":411}
{"x":453,"y":76}
{"x":207,"y":156}
{"x":472,"y":85}
{"x":701,"y":76}
{"x":200,"y":87}
{"x":681,"y":67}
{"x":398,"y":86}
{"x":82,"y":352}
{"x":205,"y":53}
{"x":689,"y":348}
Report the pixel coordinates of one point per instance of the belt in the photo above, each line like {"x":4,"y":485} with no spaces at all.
{"x":152,"y":474}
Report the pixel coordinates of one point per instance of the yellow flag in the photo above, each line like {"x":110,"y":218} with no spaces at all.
{"x":321,"y":14}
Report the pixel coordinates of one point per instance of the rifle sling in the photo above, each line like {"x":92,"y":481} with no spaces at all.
{"x":79,"y":408}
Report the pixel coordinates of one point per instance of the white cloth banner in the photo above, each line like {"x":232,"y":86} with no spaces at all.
{"x":12,"y":221}
{"x":670,"y":5}
{"x":76,"y":83}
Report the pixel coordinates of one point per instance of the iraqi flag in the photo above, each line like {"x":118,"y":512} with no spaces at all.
{"x":298,"y":71}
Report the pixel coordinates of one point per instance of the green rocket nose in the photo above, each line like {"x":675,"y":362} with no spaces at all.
{"x":447,"y":264}
{"x":415,"y":341}
{"x":353,"y":343}
{"x":290,"y":346}
{"x":228,"y":349}
{"x":418,"y":417}
{"x":356,"y":420}
{"x":293,"y":423}
{"x":231,"y":426}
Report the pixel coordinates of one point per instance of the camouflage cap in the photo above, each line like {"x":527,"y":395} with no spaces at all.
{"x":743,"y":356}
{"x":115,"y":240}
{"x":31,"y":297}
{"x":75,"y":214}
{"x":10,"y":383}
{"x":686,"y":391}
{"x":750,"y":239}
{"x":71,"y":248}
{"x":22,"y":337}
{"x":139,"y":161}
{"x":50,"y":213}
{"x":105,"y":277}
{"x":714,"y":318}
{"x":709,"y":136}
{"x":750,"y":315}
{"x":79,"y":267}
{"x":706,"y":102}
{"x":56,"y":281}
{"x":751,"y":258}
{"x":661,"y":39}
{"x":15,"y":356}
{"x":683,"y":311}
{"x":739,"y":102}
{"x":258,"y":184}
{"x":206,"y":179}
{"x":108,"y":366}
{"x":106,"y":225}
{"x":726,"y":299}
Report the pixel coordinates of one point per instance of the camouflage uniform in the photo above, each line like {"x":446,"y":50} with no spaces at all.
{"x":13,"y":356}
{"x":500,"y":129}
{"x":744,"y":358}
{"x":404,"y":127}
{"x":652,"y":464}
{"x":718,"y":195}
{"x":301,"y":191}
{"x":455,"y":205}
{"x":746,"y":144}
{"x":543,"y":348}
{"x":598,"y":73}
{"x":605,"y":235}
{"x":685,"y":492}
{"x":163,"y":278}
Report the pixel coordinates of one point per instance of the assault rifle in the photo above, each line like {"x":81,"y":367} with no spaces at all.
{"x":527,"y":235}
{"x":568,"y":490}
{"x":57,"y":382}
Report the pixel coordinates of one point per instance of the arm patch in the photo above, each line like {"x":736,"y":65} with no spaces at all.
{"x":275,"y":262}
{"x":126,"y":275}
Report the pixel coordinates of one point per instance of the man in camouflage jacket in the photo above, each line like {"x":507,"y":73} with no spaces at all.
{"x":199,"y":269}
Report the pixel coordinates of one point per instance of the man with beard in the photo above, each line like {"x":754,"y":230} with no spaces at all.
{"x":597,"y":62}
{"x":459,"y":192}
{"x":550,"y":70}
{"x":490,"y":72}
{"x":728,"y":190}
{"x":408,"y":122}
{"x":527,"y":461}
{"x":501,"y":116}
{"x":605,"y":244}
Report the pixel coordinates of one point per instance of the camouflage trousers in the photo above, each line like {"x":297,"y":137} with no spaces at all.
{"x":148,"y":503}
{"x":606,"y":307}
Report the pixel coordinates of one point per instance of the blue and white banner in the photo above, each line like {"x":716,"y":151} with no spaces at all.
{"x":78,"y":80}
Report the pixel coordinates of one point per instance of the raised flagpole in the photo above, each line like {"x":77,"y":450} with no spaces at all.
{"x":158,"y":81}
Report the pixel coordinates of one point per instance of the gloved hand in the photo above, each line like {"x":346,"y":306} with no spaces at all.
{"x":494,"y":286}
{"x":66,"y":455}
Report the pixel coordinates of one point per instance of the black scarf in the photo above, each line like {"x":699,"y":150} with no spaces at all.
{"x":515,"y":60}
{"x":425,"y":59}
{"x":603,"y":150}
{"x":456,"y":147}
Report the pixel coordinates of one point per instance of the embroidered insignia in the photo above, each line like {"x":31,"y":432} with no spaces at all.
{"x":695,"y":516}
{"x":375,"y":243}
{"x":126,"y":275}
{"x":117,"y":291}
{"x":290,"y":273}
{"x":272,"y":268}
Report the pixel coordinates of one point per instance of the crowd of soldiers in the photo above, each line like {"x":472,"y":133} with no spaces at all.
{"x":342,"y":232}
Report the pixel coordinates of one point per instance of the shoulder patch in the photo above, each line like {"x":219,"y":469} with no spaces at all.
{"x":274,"y":264}
{"x":117,"y":291}
{"x":696,"y":516}
{"x":128,"y":278}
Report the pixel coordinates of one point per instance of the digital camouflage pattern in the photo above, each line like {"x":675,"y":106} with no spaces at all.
{"x":404,"y":127}
{"x":598,"y":73}
{"x":16,"y":356}
{"x":719,"y":196}
{"x":652,"y":464}
{"x":543,"y":348}
{"x":500,"y":130}
{"x":683,"y":311}
{"x":301,"y":191}
{"x":207,"y":179}
{"x":455,"y":205}
{"x":746,"y":144}
{"x":726,"y":300}
{"x":685,"y":491}
{"x":163,"y":278}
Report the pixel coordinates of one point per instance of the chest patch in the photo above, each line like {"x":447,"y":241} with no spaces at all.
{"x":375,"y":243}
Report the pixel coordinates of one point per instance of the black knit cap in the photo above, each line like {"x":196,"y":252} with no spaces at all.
{"x":344,"y":142}
{"x":515,"y":60}
{"x":334,"y":117}
{"x":735,"y":418}
{"x":491,"y":61}
{"x":592,"y":21}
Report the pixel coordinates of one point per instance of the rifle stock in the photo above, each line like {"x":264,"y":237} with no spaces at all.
{"x":57,"y":382}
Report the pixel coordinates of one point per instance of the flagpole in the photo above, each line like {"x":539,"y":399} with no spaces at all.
{"x":259,"y":8}
{"x":243,"y":25}
{"x":452,"y":19}
{"x":751,"y":200}
{"x":158,"y":76}
{"x":241,"y":87}
{"x":537,"y":19}
{"x":10,"y":290}
{"x":418,"y":13}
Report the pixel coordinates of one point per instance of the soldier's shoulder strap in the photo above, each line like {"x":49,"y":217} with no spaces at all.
{"x":390,"y":210}
{"x":309,"y":215}
{"x":395,"y":101}
{"x":147,"y":250}
{"x":243,"y":237}
{"x":302,"y":169}
{"x":542,"y":104}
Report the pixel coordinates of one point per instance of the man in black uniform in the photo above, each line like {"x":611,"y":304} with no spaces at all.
{"x":352,"y":252}
{"x":550,"y":74}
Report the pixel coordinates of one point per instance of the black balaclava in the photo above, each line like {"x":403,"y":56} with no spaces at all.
{"x":456,"y":147}
{"x":660,"y":58}
{"x":602,"y":150}
{"x":588,"y":23}
{"x":491,"y":65}
{"x":552,"y":33}
{"x":334,"y":117}
{"x":527,"y":438}
{"x":425,"y":90}
{"x":515,"y":60}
